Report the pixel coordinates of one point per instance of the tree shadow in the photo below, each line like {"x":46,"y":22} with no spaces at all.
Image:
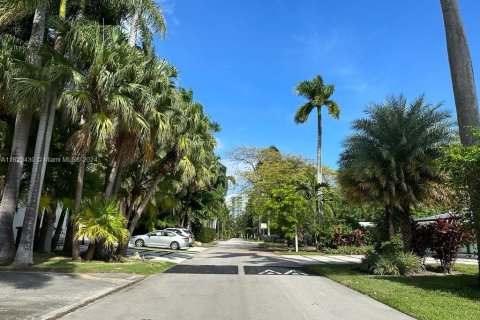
{"x":459,"y":284}
{"x":27,"y":280}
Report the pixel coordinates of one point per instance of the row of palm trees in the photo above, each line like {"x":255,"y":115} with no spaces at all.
{"x":88,"y":80}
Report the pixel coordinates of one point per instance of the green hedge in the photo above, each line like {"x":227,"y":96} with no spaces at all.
{"x":348,"y":250}
{"x":206,"y":235}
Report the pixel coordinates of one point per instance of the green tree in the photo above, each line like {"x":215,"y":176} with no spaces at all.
{"x":318,"y":94}
{"x":393,"y":156}
{"x":291,"y":208}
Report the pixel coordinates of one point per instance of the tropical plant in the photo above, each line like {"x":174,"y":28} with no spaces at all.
{"x":101,"y":221}
{"x":318,"y":95}
{"x":393,"y":157}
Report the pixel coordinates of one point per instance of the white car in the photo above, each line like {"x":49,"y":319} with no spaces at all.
{"x":162,"y":239}
{"x":183,"y":232}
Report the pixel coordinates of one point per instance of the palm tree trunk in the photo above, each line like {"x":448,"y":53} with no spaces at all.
{"x":69,"y":234}
{"x":47,"y":233}
{"x":24,"y":254}
{"x":319,"y":164}
{"x":78,"y":201}
{"x":389,"y":220}
{"x":132,"y":37}
{"x":90,"y":251}
{"x":12,"y":185}
{"x":461,"y":71}
{"x":62,"y":12}
{"x":81,"y":10}
{"x":406,"y":227}
{"x":464,"y":91}
{"x":58,"y":230}
{"x":112,"y":177}
{"x":19,"y":147}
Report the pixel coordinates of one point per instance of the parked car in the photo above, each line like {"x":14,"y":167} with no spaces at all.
{"x":183,"y":232}
{"x":161,"y":238}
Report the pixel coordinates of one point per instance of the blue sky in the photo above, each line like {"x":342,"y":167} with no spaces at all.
{"x":243,"y":59}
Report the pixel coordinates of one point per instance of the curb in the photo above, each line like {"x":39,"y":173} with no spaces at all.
{"x":73,"y":307}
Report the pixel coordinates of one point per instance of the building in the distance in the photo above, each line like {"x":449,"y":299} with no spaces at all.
{"x":236,"y":204}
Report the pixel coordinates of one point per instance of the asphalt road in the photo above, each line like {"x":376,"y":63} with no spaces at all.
{"x":237,"y":281}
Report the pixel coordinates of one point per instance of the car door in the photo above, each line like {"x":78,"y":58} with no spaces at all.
{"x":172,"y":236}
{"x":163,"y":239}
{"x":153,"y":239}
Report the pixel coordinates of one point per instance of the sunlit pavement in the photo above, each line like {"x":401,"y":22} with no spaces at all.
{"x":236,"y":280}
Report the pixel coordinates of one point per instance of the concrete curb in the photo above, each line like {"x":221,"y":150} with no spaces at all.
{"x":71,"y":308}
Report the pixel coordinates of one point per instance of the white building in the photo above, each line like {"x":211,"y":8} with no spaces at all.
{"x":236,"y":204}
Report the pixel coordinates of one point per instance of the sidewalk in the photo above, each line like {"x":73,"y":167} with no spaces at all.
{"x":343,"y":259}
{"x":45,"y":295}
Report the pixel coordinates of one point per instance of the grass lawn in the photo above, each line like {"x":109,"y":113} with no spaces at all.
{"x":423,"y":297}
{"x":54,"y":263}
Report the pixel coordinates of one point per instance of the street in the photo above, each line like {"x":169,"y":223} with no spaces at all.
{"x":235,"y":280}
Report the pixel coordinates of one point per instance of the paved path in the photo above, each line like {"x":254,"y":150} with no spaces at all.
{"x":342,"y":259}
{"x":41,"y":295}
{"x":236,"y":281}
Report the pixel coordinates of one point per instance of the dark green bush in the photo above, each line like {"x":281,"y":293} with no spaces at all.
{"x":398,"y":263}
{"x":393,"y":246}
{"x":206,"y":235}
{"x":368,"y":263}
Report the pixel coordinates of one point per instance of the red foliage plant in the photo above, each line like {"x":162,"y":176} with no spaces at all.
{"x":445,"y":238}
{"x":354,"y":238}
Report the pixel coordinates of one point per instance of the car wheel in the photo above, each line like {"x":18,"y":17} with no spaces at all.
{"x":139,"y":243}
{"x":174,"y":245}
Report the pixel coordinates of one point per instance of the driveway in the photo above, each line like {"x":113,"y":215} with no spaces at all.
{"x":41,"y":295}
{"x":235,"y":280}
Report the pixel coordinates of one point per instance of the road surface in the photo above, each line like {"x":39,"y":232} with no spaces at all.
{"x":235,"y":280}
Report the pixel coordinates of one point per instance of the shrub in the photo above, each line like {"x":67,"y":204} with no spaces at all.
{"x":408,"y":263}
{"x":386,"y":265}
{"x":393,"y":246}
{"x":448,"y":237}
{"x":338,"y":238}
{"x":353,"y":238}
{"x":444,"y":237}
{"x":398,"y":263}
{"x":356,"y":238}
{"x":206,"y":235}
{"x":422,"y":238}
{"x":348,"y":250}
{"x":368,"y":263}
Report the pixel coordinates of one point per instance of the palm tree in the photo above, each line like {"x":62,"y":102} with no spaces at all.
{"x":9,"y":11}
{"x":465,"y":94}
{"x":392,"y":158}
{"x":24,"y":255}
{"x":145,"y":13}
{"x":318,"y":94}
{"x":101,"y":221}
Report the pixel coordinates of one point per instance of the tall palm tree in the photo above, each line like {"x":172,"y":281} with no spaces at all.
{"x":318,"y":95}
{"x":465,"y":94}
{"x":393,"y":156}
{"x":9,"y":11}
{"x":24,"y":255}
